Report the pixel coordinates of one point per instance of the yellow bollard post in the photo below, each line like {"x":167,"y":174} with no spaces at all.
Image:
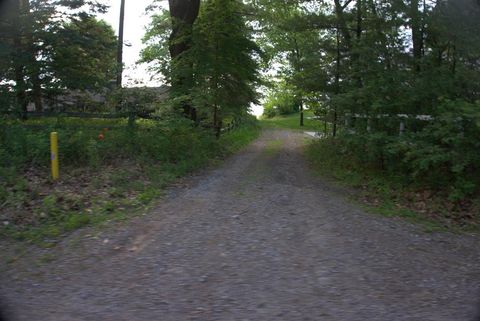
{"x":54,"y":154}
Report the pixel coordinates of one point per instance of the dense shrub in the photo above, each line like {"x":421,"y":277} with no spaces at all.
{"x":105,"y":173}
{"x":172,"y":141}
{"x":282,"y":102}
{"x":443,"y":155}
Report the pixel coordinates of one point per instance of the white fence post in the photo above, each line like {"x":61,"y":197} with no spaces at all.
{"x":402,"y":128}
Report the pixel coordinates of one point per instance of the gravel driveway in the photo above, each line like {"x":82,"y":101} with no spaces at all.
{"x":260,"y":238}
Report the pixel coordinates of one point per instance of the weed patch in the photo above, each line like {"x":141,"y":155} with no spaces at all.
{"x":104,"y":180}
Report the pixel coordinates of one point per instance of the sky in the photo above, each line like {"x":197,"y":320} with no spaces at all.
{"x":134,"y":28}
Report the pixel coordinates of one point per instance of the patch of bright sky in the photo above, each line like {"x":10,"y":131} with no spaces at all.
{"x":134,"y":28}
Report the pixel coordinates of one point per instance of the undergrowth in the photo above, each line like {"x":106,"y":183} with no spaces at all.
{"x":107,"y":177}
{"x":390,"y":193}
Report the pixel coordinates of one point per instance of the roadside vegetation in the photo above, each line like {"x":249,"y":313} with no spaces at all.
{"x":292,"y":121}
{"x":106,"y":173}
{"x":398,"y":84}
{"x":392,"y":194}
{"x":57,"y":59}
{"x":393,"y":86}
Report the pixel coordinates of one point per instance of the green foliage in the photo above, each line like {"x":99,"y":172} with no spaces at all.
{"x":218,"y":73}
{"x":49,"y":45}
{"x":280,"y":101}
{"x":156,"y":40}
{"x":388,"y":193}
{"x":441,"y":156}
{"x":223,"y":55}
{"x":292,"y":122}
{"x":145,"y":161}
{"x":171,"y":140}
{"x":370,"y":65}
{"x":240,"y":137}
{"x":84,"y":54}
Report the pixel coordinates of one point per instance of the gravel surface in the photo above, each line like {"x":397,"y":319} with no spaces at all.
{"x":260,"y":238}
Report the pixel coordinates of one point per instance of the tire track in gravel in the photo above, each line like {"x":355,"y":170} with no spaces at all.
{"x":260,"y":238}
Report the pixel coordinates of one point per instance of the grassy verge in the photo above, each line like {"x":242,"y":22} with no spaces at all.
{"x":239,"y":138}
{"x":293,"y":122}
{"x":388,"y":195}
{"x":122,"y":176}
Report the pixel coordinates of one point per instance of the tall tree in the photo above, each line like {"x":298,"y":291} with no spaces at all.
{"x":183,"y":14}
{"x":225,"y":71}
{"x":417,"y":33}
{"x":83,"y":54}
{"x":27,"y":37}
{"x":216,"y":73}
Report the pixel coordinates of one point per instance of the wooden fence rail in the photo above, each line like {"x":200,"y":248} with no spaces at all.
{"x":402,"y":118}
{"x":235,"y":123}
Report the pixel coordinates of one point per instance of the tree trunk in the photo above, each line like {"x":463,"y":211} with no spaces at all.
{"x":454,"y":58}
{"x":120,"y":45}
{"x":183,"y":14}
{"x":37,"y":91}
{"x":301,"y":114}
{"x":18,"y":59}
{"x":359,"y":19}
{"x":325,"y":124}
{"x":297,"y":67}
{"x":417,"y":34}
{"x":217,"y":125}
{"x":356,"y":54}
{"x":337,"y":84}
{"x":20,"y":92}
{"x":342,"y":24}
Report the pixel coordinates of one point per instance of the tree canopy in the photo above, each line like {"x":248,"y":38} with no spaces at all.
{"x":399,"y":78}
{"x":35,"y":58}
{"x":217,"y":72}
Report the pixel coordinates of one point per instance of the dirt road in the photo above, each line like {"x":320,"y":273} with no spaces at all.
{"x":260,"y":238}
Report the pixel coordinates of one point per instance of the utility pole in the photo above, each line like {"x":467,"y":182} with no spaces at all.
{"x":120,"y":45}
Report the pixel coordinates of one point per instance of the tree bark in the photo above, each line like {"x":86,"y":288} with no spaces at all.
{"x":18,"y":61}
{"x":359,"y":19}
{"x":183,"y":14}
{"x":217,"y":123}
{"x":120,"y":45}
{"x":417,"y":34}
{"x":356,"y":54}
{"x":342,"y":24}
{"x":337,"y":83}
{"x":37,"y":90}
{"x":297,"y":68}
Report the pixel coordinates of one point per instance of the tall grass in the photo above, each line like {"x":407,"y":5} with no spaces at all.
{"x":104,"y":170}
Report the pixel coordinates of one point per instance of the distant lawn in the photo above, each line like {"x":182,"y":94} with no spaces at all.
{"x":293,"y":122}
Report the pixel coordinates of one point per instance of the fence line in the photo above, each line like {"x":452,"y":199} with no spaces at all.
{"x":34,"y":114}
{"x":401,"y":117}
{"x":231,"y":126}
